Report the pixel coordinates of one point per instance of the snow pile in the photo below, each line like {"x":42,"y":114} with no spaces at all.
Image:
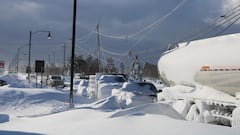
{"x":27,"y":101}
{"x":131,"y":99}
{"x":125,"y":97}
{"x":13,"y":81}
{"x":120,"y":101}
{"x":182,"y":107}
{"x":23,"y":102}
{"x":154,"y":108}
{"x":82,"y":87}
{"x":108,"y":104}
{"x":197,"y":92}
{"x":105,"y":89}
{"x":194,"y":103}
{"x":92,"y":122}
{"x":236,"y":117}
{"x":108,"y":82}
{"x":45,"y":111}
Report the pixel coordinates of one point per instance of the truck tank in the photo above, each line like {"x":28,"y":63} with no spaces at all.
{"x":213,"y":63}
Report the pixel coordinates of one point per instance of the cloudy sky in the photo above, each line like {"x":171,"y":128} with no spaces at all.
{"x":142,"y":26}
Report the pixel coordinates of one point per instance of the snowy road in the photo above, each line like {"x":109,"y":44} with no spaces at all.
{"x":31,"y":111}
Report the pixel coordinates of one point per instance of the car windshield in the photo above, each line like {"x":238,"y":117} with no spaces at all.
{"x":119,"y":79}
{"x":146,"y":88}
{"x":111,"y":79}
{"x":56,"y":77}
{"x":77,"y":82}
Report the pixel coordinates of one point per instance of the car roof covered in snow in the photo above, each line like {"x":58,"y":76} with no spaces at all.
{"x":112,"y":79}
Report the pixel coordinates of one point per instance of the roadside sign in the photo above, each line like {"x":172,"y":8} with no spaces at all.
{"x":39,"y":66}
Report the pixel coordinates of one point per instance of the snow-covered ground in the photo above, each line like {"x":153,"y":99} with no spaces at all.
{"x":25,"y":110}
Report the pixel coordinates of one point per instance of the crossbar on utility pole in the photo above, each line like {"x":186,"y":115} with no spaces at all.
{"x":73,"y":51}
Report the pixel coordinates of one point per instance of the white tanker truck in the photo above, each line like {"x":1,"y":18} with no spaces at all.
{"x":204,"y":79}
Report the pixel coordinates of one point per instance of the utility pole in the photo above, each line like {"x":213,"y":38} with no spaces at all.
{"x":73,"y":52}
{"x":64,"y":61}
{"x":54,"y":62}
{"x":28,"y":70}
{"x":17,"y":60}
{"x":54,"y":59}
{"x":98,"y":39}
{"x":49,"y":60}
{"x":64,"y":57}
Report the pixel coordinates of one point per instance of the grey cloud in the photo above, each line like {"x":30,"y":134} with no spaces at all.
{"x":117,"y":17}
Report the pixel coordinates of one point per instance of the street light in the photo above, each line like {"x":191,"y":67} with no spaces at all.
{"x":28,"y":70}
{"x":49,"y":36}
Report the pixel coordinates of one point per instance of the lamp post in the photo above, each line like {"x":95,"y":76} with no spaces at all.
{"x":28,"y":70}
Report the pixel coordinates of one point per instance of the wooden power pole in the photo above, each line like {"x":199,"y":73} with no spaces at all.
{"x":98,"y":39}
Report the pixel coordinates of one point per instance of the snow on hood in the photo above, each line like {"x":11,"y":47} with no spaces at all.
{"x":108,"y":104}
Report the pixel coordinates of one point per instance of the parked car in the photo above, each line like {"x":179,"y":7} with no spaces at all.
{"x":100,"y":85}
{"x":136,"y":93}
{"x":80,"y":76}
{"x":82,"y":87}
{"x":106,"y":83}
{"x":55,"y":81}
{"x":2,"y":82}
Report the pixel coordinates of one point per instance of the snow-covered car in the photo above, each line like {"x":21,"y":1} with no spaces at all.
{"x":82,"y":87}
{"x":136,"y":93}
{"x":55,"y":81}
{"x":106,"y":83}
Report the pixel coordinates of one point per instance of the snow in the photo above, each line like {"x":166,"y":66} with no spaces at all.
{"x":82,"y":87}
{"x":236,"y":116}
{"x":152,"y":108}
{"x":34,"y":111}
{"x":197,"y":92}
{"x":108,"y":82}
{"x":194,"y":103}
{"x":135,"y":93}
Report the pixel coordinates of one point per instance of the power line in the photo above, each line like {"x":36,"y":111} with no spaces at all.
{"x":113,"y":53}
{"x":218,"y":23}
{"x":85,"y":38}
{"x":157,"y":22}
{"x":149,"y":27}
{"x":227,"y":26}
{"x":149,"y":50}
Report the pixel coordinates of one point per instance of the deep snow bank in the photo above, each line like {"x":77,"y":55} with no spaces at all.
{"x":195,"y":92}
{"x":154,"y":108}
